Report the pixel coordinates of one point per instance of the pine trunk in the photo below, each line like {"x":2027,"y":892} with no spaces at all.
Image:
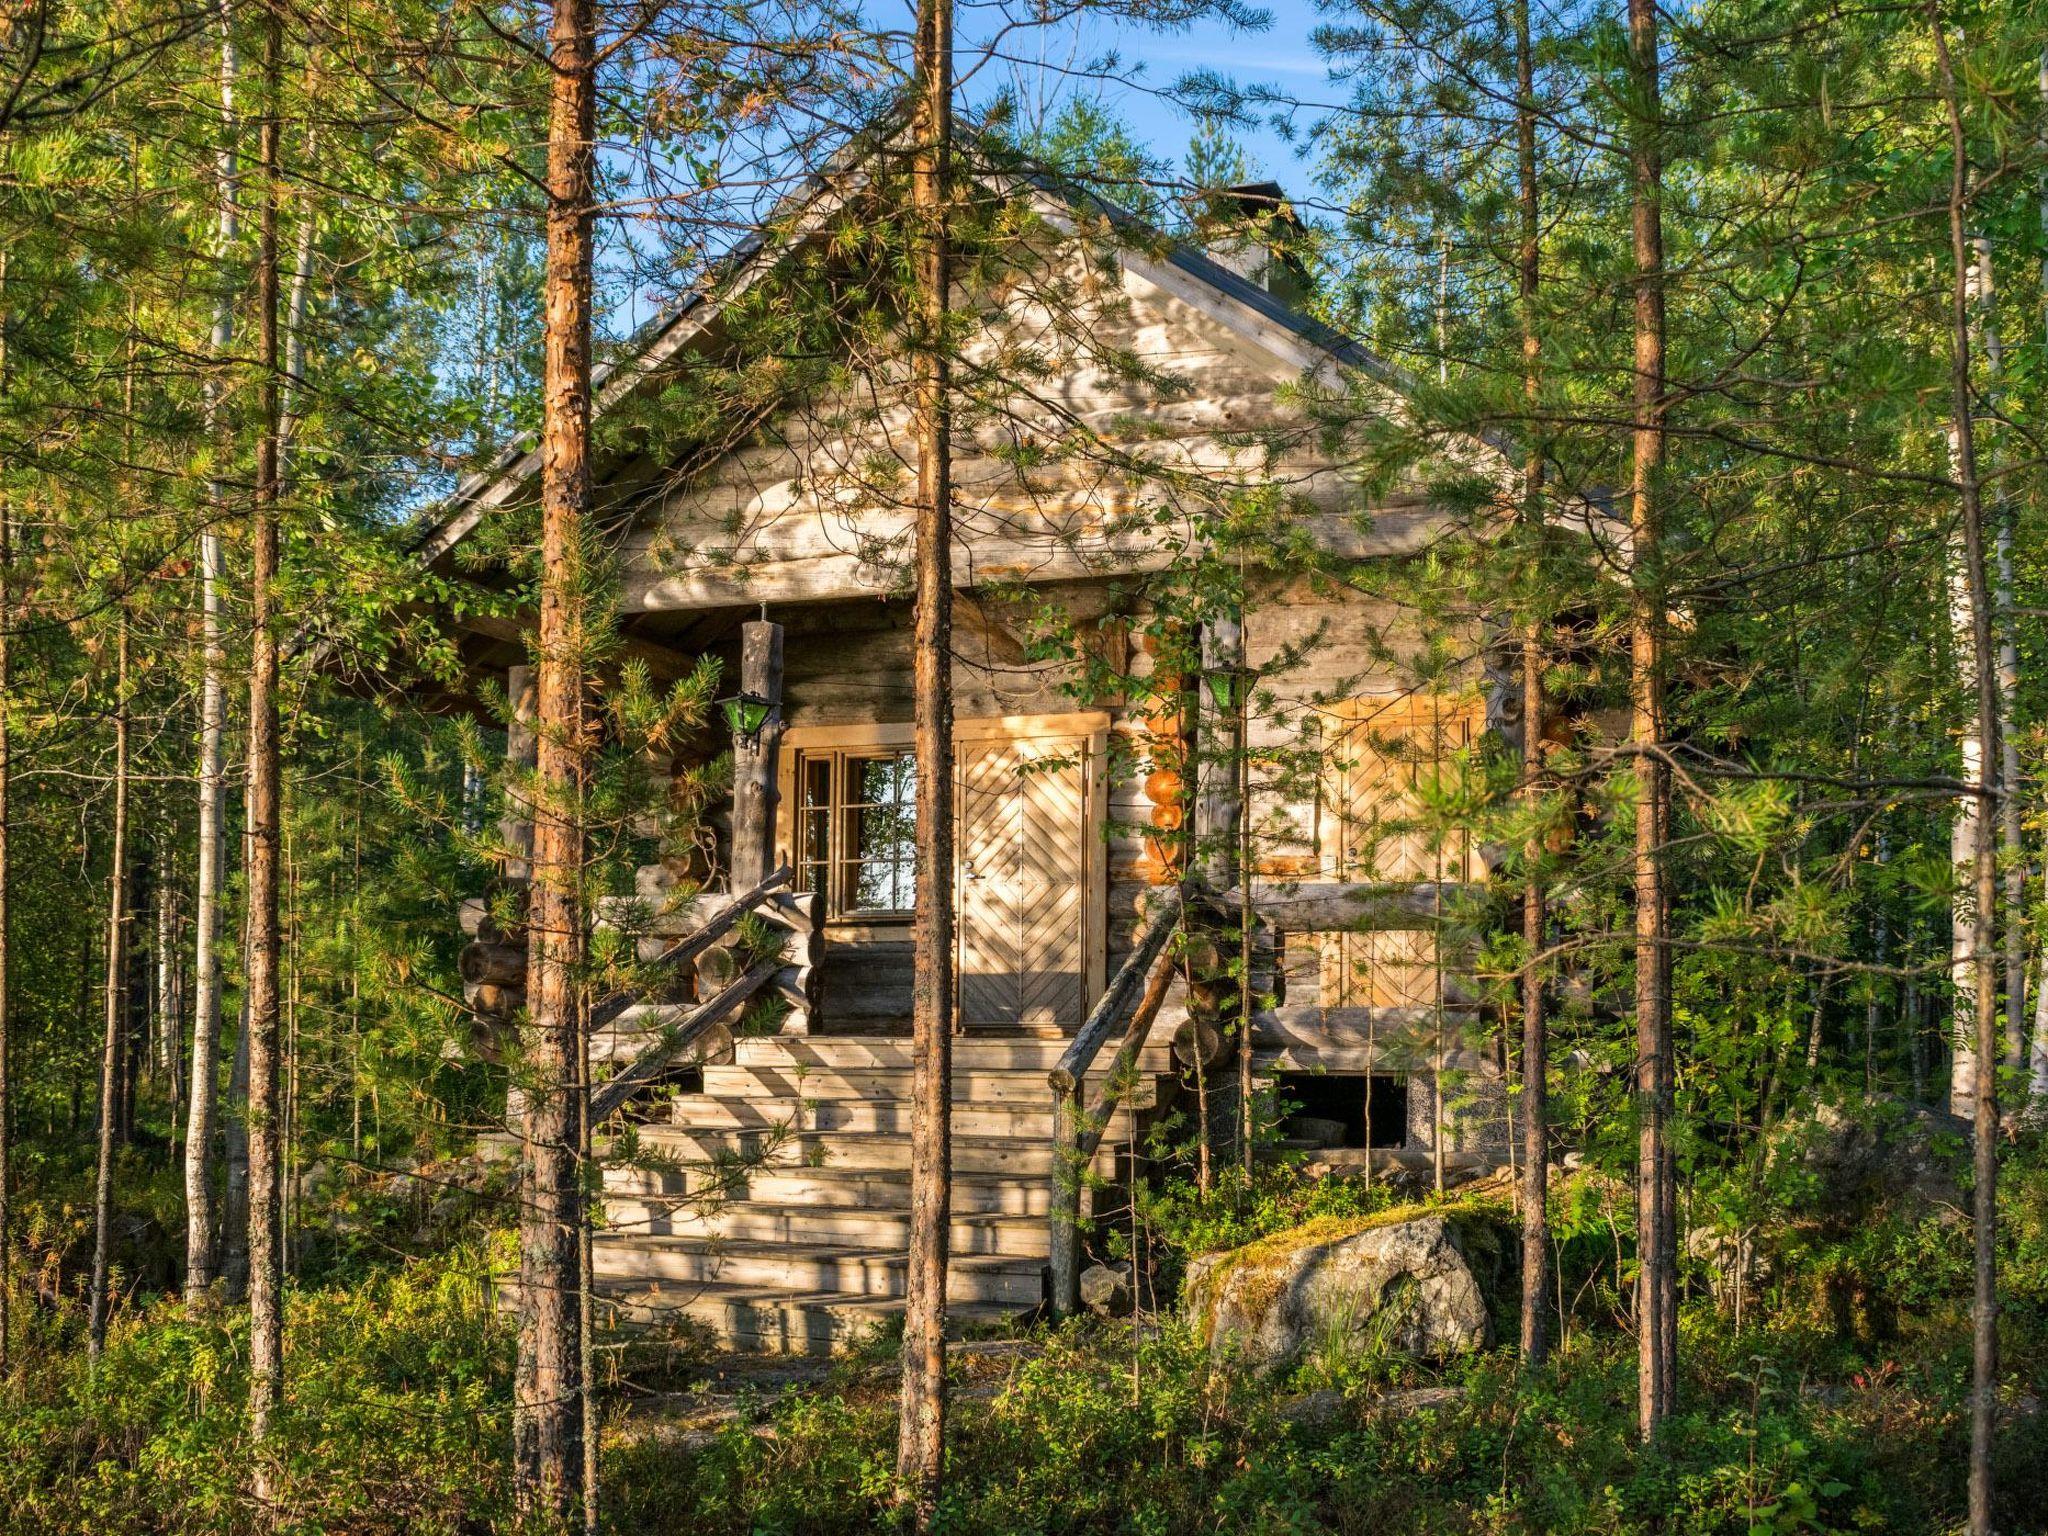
{"x":6,"y":875}
{"x":548,"y":1424}
{"x":234,"y":1210}
{"x":921,"y":1430}
{"x":1535,"y":1042}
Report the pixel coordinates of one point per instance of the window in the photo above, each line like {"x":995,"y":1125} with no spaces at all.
{"x":1372,"y":1109}
{"x":857,"y":830}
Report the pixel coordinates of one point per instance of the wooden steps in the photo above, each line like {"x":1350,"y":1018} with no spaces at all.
{"x":773,"y":1320}
{"x":868,"y":1151}
{"x":845,"y":1268}
{"x":772,"y":1209}
{"x":1022,"y":1236}
{"x":974,"y":1085}
{"x":872,"y":1115}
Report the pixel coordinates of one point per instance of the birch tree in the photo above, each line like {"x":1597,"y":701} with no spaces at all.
{"x":201,"y":1127}
{"x":1656,"y":1194}
{"x":99,"y":1300}
{"x":1981,"y":792}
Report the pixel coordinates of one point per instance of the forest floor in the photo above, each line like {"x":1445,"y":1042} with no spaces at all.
{"x":1838,"y":1404}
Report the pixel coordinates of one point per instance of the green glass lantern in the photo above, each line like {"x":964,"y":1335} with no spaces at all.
{"x":1230,"y":687}
{"x":748,"y":715}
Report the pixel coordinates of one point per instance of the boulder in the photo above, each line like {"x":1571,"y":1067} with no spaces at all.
{"x":1315,"y":1410}
{"x":1388,"y":1281}
{"x":1881,"y":1155}
{"x":1106,"y":1291}
{"x":1417,"y":1400}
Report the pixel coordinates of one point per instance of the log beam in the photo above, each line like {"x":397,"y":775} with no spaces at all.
{"x":1338,"y":906}
{"x":754,"y":791}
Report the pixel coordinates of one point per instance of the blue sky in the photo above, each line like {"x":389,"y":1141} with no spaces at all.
{"x":1149,"y":62}
{"x":1279,"y":56}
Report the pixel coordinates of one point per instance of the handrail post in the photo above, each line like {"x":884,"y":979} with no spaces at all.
{"x":1065,"y":1236}
{"x":1075,"y":1134}
{"x":754,"y":754}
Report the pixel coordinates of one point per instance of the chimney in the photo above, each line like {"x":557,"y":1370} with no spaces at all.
{"x":1252,"y":230}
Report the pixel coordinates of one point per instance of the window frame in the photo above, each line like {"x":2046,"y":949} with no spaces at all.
{"x":809,"y":740}
{"x":841,"y":860}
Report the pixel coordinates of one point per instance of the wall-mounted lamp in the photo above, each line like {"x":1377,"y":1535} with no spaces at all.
{"x":748,"y":715}
{"x":1230,"y":686}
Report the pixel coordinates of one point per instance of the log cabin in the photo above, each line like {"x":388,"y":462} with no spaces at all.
{"x":1124,"y":394}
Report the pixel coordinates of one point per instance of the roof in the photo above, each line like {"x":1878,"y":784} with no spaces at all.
{"x":1309,"y":344}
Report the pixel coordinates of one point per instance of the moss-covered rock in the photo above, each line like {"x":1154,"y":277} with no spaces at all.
{"x":1398,"y":1280}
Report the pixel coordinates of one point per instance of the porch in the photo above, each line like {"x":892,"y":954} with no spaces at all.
{"x":758,"y":1183}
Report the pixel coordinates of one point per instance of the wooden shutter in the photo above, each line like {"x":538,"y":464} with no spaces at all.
{"x":1383,"y":748}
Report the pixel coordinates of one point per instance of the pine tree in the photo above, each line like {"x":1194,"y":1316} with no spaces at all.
{"x":548,"y":1452}
{"x":921,"y":1433}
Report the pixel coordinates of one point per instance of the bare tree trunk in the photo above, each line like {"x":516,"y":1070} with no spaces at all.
{"x":170,"y":1001}
{"x":2037,"y":1055}
{"x":202,"y":1216}
{"x":586,"y":1281}
{"x":1984,"y":1343}
{"x":922,"y":1416}
{"x":548,"y":1428}
{"x":1535,"y":1041}
{"x":234,"y":1217}
{"x":110,"y":1045}
{"x":2011,"y":836}
{"x":2011,"y":828}
{"x":1247,"y":927}
{"x":1655,"y":1287}
{"x":265,"y":1117}
{"x":6,"y":874}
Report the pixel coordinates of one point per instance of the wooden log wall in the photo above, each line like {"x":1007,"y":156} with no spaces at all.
{"x":848,"y":663}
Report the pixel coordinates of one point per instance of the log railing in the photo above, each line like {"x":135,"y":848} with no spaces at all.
{"x":1340,"y":906}
{"x":1133,"y":997}
{"x":789,"y":972}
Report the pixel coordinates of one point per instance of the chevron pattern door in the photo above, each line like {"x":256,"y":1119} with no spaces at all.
{"x":1026,"y":878}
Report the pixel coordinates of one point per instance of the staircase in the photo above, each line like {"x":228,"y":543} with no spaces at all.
{"x":772,"y":1209}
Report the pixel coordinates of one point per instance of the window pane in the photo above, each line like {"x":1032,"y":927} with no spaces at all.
{"x":879,"y":780}
{"x":883,"y":885}
{"x":816,"y":836}
{"x":857,"y":819}
{"x":817,"y":783}
{"x":874,"y":887}
{"x":884,"y":832}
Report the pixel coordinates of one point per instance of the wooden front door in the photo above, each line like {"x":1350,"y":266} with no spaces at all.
{"x":1030,"y":926}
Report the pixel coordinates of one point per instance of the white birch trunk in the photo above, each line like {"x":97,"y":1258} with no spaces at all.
{"x":201,"y":1211}
{"x":2037,"y":1056}
{"x":1962,"y":1085}
{"x":2013,"y":879}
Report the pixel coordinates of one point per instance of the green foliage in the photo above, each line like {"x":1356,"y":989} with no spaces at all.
{"x":398,"y":1391}
{"x":1094,"y":1435}
{"x":1238,"y":1210}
